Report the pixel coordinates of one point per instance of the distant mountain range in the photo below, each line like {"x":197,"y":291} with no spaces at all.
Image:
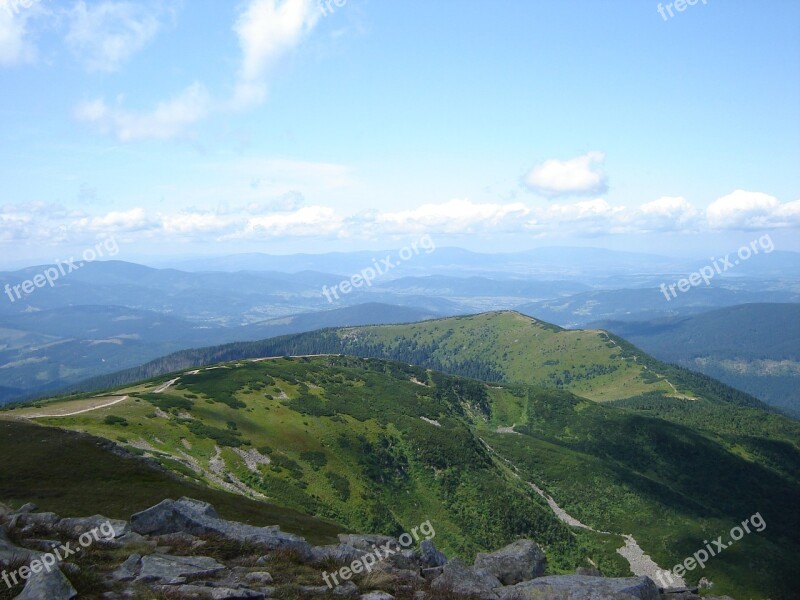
{"x":108,"y":316}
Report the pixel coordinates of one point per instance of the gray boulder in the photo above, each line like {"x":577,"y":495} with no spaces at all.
{"x":460,"y":579}
{"x":366,"y":542}
{"x":200,"y":518}
{"x":10,"y":552}
{"x":429,"y":556}
{"x":582,"y":587}
{"x":377,"y":596}
{"x":104,"y":525}
{"x":340,"y":553}
{"x":346,"y":590}
{"x":519,"y":561}
{"x":128,"y":570}
{"x":52,"y":585}
{"x":165,"y":568}
{"x":213,"y":593}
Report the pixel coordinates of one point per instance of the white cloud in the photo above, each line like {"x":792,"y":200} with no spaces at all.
{"x":576,"y":177}
{"x":168,"y":120}
{"x":202,"y":223}
{"x":106,"y":35}
{"x":454,"y":216}
{"x":15,"y":48}
{"x":752,"y":210}
{"x":103,"y":36}
{"x":135,"y":219}
{"x":589,"y":217}
{"x":667,"y":213}
{"x":288,"y":217}
{"x":307,"y":221}
{"x":267,"y":31}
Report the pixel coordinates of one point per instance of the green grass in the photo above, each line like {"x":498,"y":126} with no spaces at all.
{"x":347,"y":441}
{"x":73,"y":475}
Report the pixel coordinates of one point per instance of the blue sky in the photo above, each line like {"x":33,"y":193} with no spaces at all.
{"x":192,"y":127}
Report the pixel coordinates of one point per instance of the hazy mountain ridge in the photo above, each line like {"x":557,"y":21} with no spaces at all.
{"x":86,"y":341}
{"x":754,"y":347}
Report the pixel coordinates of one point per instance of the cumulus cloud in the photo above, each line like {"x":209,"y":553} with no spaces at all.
{"x":168,"y":120}
{"x":135,"y":219}
{"x":581,"y":176}
{"x":268,"y":30}
{"x":589,"y":217}
{"x":668,"y":213}
{"x":752,"y":210}
{"x":454,"y":216}
{"x":304,"y":222}
{"x":103,"y":36}
{"x":289,"y":217}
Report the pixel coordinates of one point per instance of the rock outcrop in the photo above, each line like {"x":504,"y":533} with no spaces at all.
{"x":184,"y":549}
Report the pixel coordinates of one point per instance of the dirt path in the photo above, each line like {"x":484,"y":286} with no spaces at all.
{"x":78,"y":412}
{"x":166,"y":386}
{"x":641,"y":564}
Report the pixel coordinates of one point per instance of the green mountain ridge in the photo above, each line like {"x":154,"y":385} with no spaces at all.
{"x":378,"y":445}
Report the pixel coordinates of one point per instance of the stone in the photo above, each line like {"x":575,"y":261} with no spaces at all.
{"x":258,"y":577}
{"x":26,"y":508}
{"x":580,"y":587}
{"x":214,"y":593}
{"x":106,"y":528}
{"x":520,"y":561}
{"x":10,"y":552}
{"x":366,"y":542}
{"x":45,"y":519}
{"x":346,"y":590}
{"x":127,"y":571}
{"x":377,"y":596}
{"x":166,"y":568}
{"x":51,"y":585}
{"x":340,"y":553}
{"x":429,"y":556}
{"x":200,"y":518}
{"x":590,"y":571}
{"x":460,"y":579}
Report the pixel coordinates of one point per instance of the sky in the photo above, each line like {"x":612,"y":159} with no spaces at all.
{"x":192,"y":127}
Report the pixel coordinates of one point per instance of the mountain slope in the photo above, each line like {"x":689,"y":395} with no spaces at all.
{"x":754,"y":347}
{"x":379,"y":445}
{"x":43,"y":351}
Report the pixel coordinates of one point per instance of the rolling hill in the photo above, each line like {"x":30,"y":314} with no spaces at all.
{"x":42,"y":351}
{"x":379,"y":445}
